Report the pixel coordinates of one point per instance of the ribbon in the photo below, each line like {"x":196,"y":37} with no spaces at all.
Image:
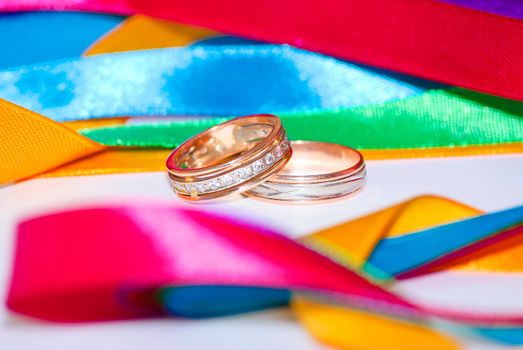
{"x":118,"y":285}
{"x":509,"y":8}
{"x":234,"y":80}
{"x":137,"y":252}
{"x":443,"y":239}
{"x":37,"y":37}
{"x":141,"y":32}
{"x":346,"y":242}
{"x":344,"y":328}
{"x":31,"y":144}
{"x":424,"y":121}
{"x":471,"y":49}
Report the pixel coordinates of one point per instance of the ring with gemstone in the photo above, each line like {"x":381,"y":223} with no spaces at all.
{"x":317,"y":171}
{"x":228,"y":158}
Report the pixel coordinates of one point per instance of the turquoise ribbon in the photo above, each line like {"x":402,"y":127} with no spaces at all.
{"x":27,"y":38}
{"x":204,"y":80}
{"x":220,"y":300}
{"x":400,"y":254}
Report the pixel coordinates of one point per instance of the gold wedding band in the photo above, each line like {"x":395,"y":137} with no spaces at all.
{"x":232,"y":157}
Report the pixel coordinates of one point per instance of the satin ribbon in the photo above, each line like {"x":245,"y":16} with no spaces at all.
{"x":235,"y":80}
{"x":137,"y":251}
{"x":35,"y":37}
{"x":345,"y":241}
{"x":509,"y":8}
{"x":141,"y":32}
{"x":117,"y":285}
{"x":425,"y":121}
{"x":471,"y":49}
{"x":31,"y":144}
{"x":402,"y":256}
{"x":344,"y":328}
{"x":391,"y":232}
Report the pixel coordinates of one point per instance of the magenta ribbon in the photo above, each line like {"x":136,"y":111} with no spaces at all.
{"x":109,"y":263}
{"x":114,"y":262}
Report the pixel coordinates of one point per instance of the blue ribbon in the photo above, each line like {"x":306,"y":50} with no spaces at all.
{"x":508,"y":335}
{"x":28,"y":38}
{"x":400,"y":254}
{"x":214,"y":301}
{"x":200,"y":80}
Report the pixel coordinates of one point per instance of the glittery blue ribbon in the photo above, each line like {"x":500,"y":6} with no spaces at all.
{"x":200,"y":80}
{"x":27,"y":38}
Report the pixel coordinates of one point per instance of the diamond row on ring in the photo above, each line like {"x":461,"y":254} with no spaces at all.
{"x":237,"y":176}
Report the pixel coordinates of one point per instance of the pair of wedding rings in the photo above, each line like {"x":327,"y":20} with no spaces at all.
{"x":252,"y":156}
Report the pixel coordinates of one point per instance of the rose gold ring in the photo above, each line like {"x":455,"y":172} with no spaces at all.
{"x":228,"y":158}
{"x":317,"y":171}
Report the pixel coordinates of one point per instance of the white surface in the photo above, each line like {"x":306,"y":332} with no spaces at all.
{"x":489,"y":183}
{"x":471,"y":293}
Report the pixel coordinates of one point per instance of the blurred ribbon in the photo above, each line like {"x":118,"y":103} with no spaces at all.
{"x":235,"y":80}
{"x":404,"y":256}
{"x":141,"y":248}
{"x":37,"y":37}
{"x":471,"y":49}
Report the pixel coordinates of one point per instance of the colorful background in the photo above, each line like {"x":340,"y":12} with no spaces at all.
{"x":95,"y":94}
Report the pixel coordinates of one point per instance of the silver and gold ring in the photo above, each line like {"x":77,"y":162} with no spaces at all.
{"x":317,"y":171}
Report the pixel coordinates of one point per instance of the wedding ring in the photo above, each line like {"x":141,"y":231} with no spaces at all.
{"x":316,"y":171}
{"x":228,"y":158}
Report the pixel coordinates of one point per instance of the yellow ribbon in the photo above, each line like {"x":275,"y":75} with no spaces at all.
{"x":140,"y":32}
{"x":352,"y":243}
{"x":31,"y":144}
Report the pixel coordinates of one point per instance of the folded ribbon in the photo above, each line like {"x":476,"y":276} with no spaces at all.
{"x":31,"y":143}
{"x":141,"y":248}
{"x":194,"y":258}
{"x":470,"y":48}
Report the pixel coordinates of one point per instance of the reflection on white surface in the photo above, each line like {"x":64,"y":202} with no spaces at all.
{"x":489,"y":183}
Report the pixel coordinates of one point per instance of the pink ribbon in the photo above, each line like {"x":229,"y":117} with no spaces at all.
{"x":107,"y":263}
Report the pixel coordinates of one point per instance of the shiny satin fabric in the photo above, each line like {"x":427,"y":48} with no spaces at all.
{"x":208,"y":80}
{"x":142,"y":32}
{"x":118,"y":285}
{"x":402,"y":256}
{"x":345,"y":244}
{"x":431,"y":217}
{"x":36,"y":37}
{"x":470,"y":48}
{"x":25,"y":129}
{"x":438,"y":118}
{"x":344,"y":328}
{"x":509,"y":8}
{"x":139,"y":248}
{"x":131,"y":160}
{"x":31,"y":144}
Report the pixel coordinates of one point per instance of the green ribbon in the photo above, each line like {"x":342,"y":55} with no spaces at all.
{"x":438,"y":118}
